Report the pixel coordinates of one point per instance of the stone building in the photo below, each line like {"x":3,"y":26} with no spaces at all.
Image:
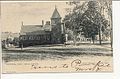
{"x":48,"y":33}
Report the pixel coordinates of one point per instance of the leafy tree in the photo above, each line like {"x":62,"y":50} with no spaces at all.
{"x":106,"y":5}
{"x":98,"y":23}
{"x":9,"y":41}
{"x":88,"y":19}
{"x":72,"y":20}
{"x":16,"y":41}
{"x":91,"y":20}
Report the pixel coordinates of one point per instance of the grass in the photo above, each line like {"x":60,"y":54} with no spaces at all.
{"x":55,"y":52}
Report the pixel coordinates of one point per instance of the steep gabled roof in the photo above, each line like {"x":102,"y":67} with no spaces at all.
{"x":55,"y":14}
{"x":34,"y":29}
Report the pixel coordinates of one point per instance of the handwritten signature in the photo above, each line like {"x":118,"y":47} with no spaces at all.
{"x":77,"y":65}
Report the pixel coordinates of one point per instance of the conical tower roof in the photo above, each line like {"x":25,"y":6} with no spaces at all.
{"x":55,"y":14}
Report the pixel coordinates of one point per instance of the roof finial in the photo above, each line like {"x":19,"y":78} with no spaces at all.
{"x":55,"y":7}
{"x":22,"y":23}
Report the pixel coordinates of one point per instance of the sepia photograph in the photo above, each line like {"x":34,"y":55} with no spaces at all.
{"x":57,"y":36}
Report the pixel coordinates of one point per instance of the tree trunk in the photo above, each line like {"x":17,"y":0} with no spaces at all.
{"x":93,"y":42}
{"x":111,"y":31}
{"x":100,"y":35}
{"x":74,"y":40}
{"x":93,"y":39}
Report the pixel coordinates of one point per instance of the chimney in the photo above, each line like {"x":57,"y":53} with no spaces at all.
{"x":47,"y":22}
{"x":22,"y":23}
{"x":43,"y":22}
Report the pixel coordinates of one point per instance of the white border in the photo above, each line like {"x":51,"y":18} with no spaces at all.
{"x":31,"y":1}
{"x":116,"y":38}
{"x":114,"y":75}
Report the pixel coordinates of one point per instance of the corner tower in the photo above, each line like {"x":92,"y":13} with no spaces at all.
{"x":56,"y":27}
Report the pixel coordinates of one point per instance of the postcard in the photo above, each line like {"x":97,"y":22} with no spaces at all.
{"x":57,"y":36}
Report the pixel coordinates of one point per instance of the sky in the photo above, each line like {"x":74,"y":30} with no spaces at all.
{"x":13,"y":13}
